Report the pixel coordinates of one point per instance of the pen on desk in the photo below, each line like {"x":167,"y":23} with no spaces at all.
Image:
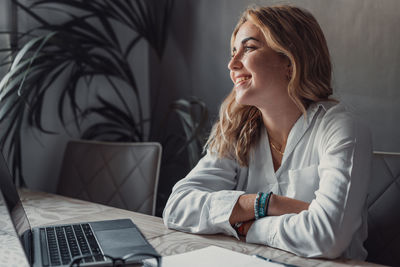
{"x":277,"y":262}
{"x":261,"y":257}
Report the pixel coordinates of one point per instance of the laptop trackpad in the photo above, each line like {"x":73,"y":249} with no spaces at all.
{"x":119,"y":242}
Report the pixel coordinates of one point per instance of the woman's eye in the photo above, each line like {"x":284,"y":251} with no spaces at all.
{"x":245,"y":50}
{"x":249,"y":48}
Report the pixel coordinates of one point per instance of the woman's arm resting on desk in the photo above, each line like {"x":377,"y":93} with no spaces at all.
{"x":243,"y":210}
{"x":327,"y":227}
{"x":278,"y":205}
{"x":202,"y":202}
{"x":205,"y":200}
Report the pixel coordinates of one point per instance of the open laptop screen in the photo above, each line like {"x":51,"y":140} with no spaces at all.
{"x":12,"y":200}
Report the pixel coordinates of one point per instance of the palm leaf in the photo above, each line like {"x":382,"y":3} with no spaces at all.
{"x":17,"y":65}
{"x":193,"y":116}
{"x":81,"y":48}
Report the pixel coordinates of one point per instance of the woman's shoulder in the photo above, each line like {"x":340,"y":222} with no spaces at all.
{"x":333,"y":110}
{"x":212,"y":159}
{"x":338,"y":118}
{"x":336,"y":112}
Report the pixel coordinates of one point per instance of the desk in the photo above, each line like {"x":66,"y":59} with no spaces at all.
{"x":44,"y":209}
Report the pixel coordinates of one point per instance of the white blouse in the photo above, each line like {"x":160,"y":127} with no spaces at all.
{"x":326,"y":162}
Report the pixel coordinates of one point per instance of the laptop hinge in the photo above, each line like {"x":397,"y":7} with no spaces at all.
{"x":26,"y":240}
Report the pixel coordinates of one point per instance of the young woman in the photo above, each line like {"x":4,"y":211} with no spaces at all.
{"x":285,"y":166}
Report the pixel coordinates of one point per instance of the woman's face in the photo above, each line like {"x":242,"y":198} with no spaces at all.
{"x":259,"y":74}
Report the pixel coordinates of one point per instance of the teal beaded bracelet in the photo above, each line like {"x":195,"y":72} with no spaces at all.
{"x":256,"y":206}
{"x":267,"y":205}
{"x":261,"y":204}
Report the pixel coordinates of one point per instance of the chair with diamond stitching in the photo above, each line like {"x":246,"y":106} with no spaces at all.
{"x":383,"y":243}
{"x":122,"y":175}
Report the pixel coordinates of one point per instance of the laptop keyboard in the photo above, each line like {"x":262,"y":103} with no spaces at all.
{"x":67,"y":242}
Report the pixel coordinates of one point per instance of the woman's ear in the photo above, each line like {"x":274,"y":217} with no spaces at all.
{"x":289,"y":67}
{"x":289,"y":71}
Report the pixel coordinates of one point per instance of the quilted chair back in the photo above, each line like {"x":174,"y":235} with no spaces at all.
{"x":122,"y":175}
{"x":383,"y":243}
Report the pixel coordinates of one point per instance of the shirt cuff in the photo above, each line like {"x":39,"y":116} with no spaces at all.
{"x":263,"y":231}
{"x":221,"y":206}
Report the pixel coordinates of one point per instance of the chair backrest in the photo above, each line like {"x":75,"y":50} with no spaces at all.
{"x":122,"y":175}
{"x":383,"y":243}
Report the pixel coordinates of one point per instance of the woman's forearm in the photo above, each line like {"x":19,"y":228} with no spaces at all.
{"x":279,"y":205}
{"x":244,"y":208}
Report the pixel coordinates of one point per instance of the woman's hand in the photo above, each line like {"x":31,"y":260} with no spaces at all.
{"x":243,"y":210}
{"x":244,"y":228}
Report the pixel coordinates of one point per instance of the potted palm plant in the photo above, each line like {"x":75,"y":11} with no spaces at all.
{"x":67,"y":57}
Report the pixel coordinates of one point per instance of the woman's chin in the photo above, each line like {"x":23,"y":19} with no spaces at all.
{"x":244,"y":95}
{"x":242,"y":100}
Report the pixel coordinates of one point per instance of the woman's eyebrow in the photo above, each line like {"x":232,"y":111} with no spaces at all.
{"x":245,"y":40}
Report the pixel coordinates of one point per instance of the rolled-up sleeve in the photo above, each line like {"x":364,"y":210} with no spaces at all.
{"x":335,"y":214}
{"x":202,"y":202}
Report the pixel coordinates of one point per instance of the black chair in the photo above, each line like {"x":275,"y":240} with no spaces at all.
{"x":122,"y":175}
{"x":383,"y":243}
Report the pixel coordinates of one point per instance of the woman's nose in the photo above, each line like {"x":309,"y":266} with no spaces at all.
{"x":235,"y":63}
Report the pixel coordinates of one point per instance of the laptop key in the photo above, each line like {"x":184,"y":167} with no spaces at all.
{"x":84,"y":247}
{"x":91,"y":239}
{"x":43,"y":247}
{"x":63,"y":246}
{"x":73,"y":245}
{"x":53,"y":247}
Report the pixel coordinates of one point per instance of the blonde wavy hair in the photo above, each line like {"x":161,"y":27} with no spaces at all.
{"x":295,"y":33}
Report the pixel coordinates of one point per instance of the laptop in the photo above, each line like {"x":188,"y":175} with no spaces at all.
{"x":57,"y":245}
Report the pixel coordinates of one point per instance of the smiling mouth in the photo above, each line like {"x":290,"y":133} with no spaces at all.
{"x":242,"y":79}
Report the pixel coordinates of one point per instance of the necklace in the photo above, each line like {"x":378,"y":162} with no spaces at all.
{"x":276,"y":149}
